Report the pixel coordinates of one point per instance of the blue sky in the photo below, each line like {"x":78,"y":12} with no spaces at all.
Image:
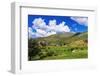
{"x":39,"y":24}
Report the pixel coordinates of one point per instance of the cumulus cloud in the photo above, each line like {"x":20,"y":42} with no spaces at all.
{"x":81,"y":20}
{"x":62,"y":28}
{"x":31,"y":34}
{"x":41,"y":32}
{"x":52,"y":23}
{"x":44,"y":30}
{"x":39,"y":23}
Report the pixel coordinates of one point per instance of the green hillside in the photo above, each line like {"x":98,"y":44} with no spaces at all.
{"x":59,"y":46}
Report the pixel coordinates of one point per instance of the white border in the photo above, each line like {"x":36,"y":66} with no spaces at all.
{"x":19,"y":34}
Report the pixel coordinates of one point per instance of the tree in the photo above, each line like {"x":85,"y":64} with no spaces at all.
{"x":33,"y":48}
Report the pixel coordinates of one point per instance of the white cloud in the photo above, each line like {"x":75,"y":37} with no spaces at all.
{"x":31,"y":33}
{"x":62,"y":28}
{"x":81,"y":20}
{"x":44,"y":30}
{"x":58,"y":28}
{"x":39,"y":23}
{"x":52,"y":23}
{"x":41,"y":32}
{"x":50,"y":33}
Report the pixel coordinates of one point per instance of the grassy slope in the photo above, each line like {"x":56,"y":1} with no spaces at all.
{"x":70,"y":46}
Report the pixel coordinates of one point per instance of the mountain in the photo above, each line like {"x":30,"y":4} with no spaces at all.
{"x":63,"y":38}
{"x":59,"y":46}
